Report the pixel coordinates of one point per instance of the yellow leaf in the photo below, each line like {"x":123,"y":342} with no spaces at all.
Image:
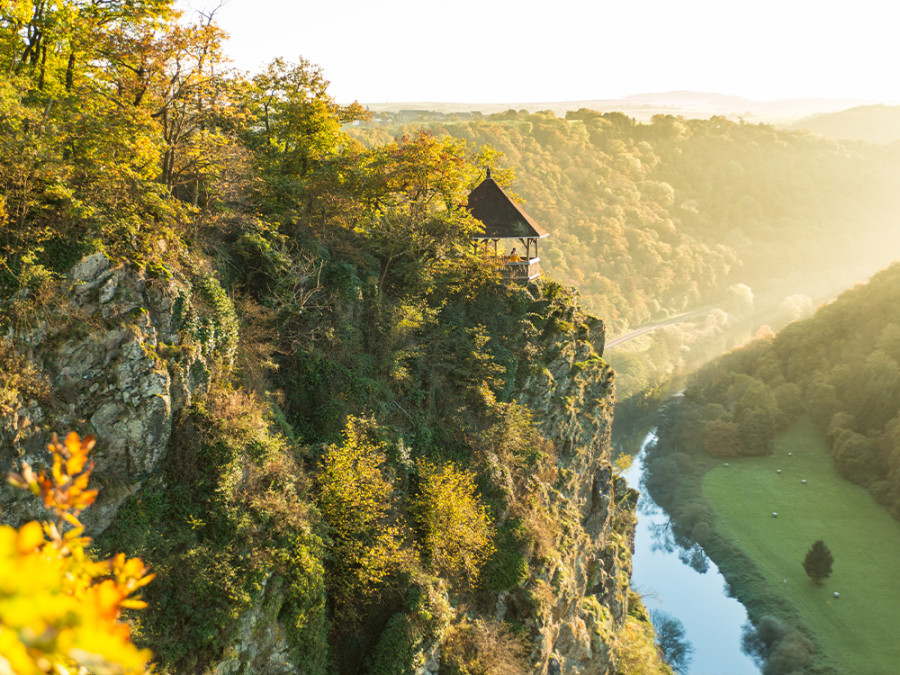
{"x":31,"y":535}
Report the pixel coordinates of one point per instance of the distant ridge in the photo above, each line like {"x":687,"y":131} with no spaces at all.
{"x":642,"y":107}
{"x":873,"y":123}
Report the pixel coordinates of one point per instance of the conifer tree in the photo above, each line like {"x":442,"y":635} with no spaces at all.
{"x":818,"y":562}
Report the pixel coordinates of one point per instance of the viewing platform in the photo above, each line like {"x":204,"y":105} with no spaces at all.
{"x":521,"y":270}
{"x":503,"y":219}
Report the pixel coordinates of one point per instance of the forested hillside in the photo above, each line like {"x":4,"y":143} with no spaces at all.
{"x":338,"y":439}
{"x":840,"y":368}
{"x":873,"y":123}
{"x":822,"y":392}
{"x":650,"y":220}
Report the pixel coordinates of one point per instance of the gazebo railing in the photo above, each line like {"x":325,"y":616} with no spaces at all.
{"x":523,"y":270}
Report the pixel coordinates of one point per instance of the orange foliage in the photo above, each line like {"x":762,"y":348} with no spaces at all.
{"x":60,"y":610}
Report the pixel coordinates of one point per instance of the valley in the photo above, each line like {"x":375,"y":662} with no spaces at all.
{"x":320,"y":416}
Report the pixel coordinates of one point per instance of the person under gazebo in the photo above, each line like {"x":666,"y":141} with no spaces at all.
{"x":514,"y":256}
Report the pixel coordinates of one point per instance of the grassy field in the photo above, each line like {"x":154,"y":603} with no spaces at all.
{"x":859,"y":630}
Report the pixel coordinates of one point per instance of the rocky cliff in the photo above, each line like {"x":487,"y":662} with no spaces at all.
{"x":573,"y":400}
{"x":106,"y":354}
{"x":207,"y":486}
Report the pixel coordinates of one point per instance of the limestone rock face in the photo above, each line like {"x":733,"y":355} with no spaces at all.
{"x":112,"y":362}
{"x":259,"y":646}
{"x":572,"y":400}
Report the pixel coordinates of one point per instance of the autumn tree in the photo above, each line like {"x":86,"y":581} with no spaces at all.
{"x":182,"y":78}
{"x":80,"y":151}
{"x":456,"y":528}
{"x":59,"y":608}
{"x":304,"y":159}
{"x":109,"y":108}
{"x":296,"y":122}
{"x":355,"y":498}
{"x":818,"y":562}
{"x":414,"y":191}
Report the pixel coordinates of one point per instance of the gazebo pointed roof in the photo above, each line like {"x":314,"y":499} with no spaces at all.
{"x":501,"y":216}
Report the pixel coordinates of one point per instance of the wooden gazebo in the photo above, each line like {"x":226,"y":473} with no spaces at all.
{"x":502,"y":218}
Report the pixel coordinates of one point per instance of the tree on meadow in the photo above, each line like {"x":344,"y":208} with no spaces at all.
{"x":818,"y":562}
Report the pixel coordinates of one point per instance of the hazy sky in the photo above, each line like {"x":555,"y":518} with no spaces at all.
{"x":554,"y":50}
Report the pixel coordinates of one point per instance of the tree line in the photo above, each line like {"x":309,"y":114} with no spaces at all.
{"x":839,"y":368}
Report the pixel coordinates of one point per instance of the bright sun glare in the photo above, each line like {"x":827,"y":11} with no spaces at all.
{"x":479,"y":51}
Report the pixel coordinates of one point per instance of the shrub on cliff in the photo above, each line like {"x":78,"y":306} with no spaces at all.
{"x":355,"y":498}
{"x":456,"y":528}
{"x":483,"y":647}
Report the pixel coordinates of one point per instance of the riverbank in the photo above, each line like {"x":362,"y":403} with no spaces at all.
{"x":687,"y":588}
{"x":674,"y":478}
{"x":857,"y":630}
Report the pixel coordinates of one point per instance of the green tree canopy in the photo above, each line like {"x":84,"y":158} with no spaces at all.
{"x":818,"y":562}
{"x":456,"y":526}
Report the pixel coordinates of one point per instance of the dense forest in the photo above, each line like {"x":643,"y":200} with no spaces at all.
{"x":651,"y":219}
{"x":313,"y":406}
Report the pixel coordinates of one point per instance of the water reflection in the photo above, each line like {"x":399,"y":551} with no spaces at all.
{"x":695,"y":558}
{"x":681,"y":582}
{"x":670,"y":636}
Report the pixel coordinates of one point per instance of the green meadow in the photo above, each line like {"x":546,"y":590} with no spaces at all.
{"x":859,"y":630}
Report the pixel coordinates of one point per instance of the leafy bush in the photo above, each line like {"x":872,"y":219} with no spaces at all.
{"x":455,"y":525}
{"x":508,"y":566}
{"x":355,"y":501}
{"x":759,"y":641}
{"x":398,"y":647}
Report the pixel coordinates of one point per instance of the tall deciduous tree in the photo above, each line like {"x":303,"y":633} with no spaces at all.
{"x":355,"y":499}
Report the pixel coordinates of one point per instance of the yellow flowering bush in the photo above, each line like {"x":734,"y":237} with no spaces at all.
{"x":60,"y":609}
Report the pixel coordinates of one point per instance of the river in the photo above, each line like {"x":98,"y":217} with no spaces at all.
{"x":663,"y":576}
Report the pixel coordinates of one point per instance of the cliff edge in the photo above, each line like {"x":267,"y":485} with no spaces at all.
{"x":220,"y":483}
